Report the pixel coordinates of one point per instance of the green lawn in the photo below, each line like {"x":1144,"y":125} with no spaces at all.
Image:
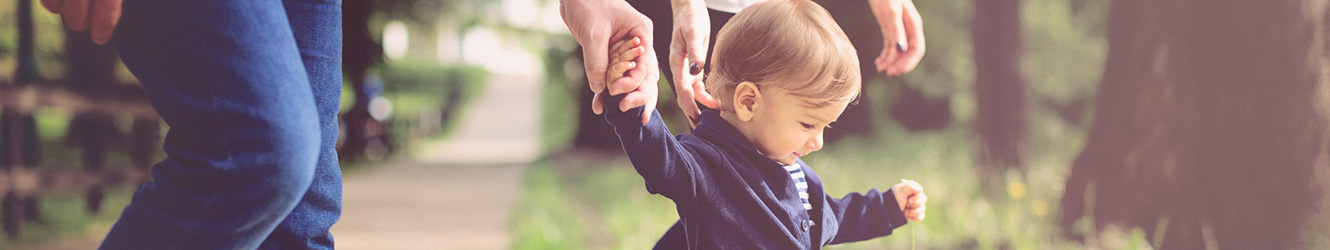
{"x":64,"y":215}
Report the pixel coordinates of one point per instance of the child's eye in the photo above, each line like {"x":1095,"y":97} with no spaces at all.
{"x":806,"y":125}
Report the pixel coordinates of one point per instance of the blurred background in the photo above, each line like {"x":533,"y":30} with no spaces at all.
{"x":1032,"y":124}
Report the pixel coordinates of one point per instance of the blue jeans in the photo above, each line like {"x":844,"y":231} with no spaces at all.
{"x":251,"y":91}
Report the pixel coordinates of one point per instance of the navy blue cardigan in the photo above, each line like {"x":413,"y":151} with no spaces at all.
{"x":729,"y":196}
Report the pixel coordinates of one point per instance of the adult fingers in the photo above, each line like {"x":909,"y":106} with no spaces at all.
{"x":914,"y":35}
{"x":650,"y":84}
{"x":639,"y":99}
{"x":75,"y":14}
{"x":597,"y":103}
{"x":648,"y":108}
{"x":685,"y":99}
{"x":888,"y":14}
{"x":685,"y":94}
{"x":893,"y":44}
{"x":105,"y":15}
{"x":595,"y":57}
{"x":696,"y":53}
{"x":702,"y":96}
{"x":52,"y":5}
{"x":632,"y":100}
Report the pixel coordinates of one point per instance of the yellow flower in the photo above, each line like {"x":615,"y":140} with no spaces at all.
{"x":1016,"y":189}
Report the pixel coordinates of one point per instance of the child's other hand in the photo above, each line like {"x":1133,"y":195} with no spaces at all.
{"x":910,"y":196}
{"x":622,"y":59}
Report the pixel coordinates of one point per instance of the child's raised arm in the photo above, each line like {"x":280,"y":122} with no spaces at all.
{"x":670,"y":165}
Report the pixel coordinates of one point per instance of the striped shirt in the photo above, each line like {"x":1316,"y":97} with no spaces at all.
{"x":797,"y":174}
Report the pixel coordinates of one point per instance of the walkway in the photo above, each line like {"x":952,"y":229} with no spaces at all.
{"x":457,"y":194}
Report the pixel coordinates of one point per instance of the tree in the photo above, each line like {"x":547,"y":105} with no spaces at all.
{"x":1209,"y":122}
{"x":1000,"y":92}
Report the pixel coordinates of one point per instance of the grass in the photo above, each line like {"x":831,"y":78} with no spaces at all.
{"x":588,"y":201}
{"x":64,"y":214}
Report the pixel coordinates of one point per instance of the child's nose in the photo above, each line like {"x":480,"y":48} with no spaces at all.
{"x":816,"y":143}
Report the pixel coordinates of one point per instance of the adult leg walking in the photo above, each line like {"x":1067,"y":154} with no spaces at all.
{"x":228,"y":78}
{"x":317,"y":25}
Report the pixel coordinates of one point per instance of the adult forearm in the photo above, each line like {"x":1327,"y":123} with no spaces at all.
{"x":677,"y":5}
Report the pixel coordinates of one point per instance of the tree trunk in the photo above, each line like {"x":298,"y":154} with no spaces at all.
{"x":1212,"y":117}
{"x":1000,"y":90}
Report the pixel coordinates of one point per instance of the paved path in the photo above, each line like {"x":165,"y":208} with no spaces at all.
{"x":500,"y":127}
{"x":410,"y":205}
{"x":456,"y":194}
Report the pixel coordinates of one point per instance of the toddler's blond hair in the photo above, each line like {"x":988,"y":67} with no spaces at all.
{"x":791,"y":44}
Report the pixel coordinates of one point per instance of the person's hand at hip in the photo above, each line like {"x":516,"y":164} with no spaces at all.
{"x":688,"y":48}
{"x":596,"y":23}
{"x":902,"y":35}
{"x":99,"y":16}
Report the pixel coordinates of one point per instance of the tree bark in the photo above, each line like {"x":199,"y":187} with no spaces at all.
{"x":1211,"y":116}
{"x":1001,"y":122}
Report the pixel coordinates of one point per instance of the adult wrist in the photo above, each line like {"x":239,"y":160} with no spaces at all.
{"x":681,"y":5}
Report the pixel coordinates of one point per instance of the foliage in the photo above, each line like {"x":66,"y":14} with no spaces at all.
{"x":587,"y":202}
{"x":65,"y":216}
{"x":49,"y":41}
{"x":1065,"y":48}
{"x":421,"y":90}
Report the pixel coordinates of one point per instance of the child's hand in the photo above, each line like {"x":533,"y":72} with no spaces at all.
{"x":622,"y":55}
{"x":910,"y":196}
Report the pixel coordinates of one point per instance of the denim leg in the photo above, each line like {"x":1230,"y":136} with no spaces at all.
{"x":317,"y":25}
{"x":228,"y":78}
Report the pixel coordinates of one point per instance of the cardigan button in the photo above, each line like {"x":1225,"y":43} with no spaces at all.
{"x":805,"y":224}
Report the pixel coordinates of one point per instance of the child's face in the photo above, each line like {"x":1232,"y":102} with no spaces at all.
{"x":785,"y":127}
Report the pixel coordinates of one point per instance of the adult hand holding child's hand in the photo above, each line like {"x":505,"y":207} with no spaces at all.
{"x":910,"y":196}
{"x":597,"y":23}
{"x":622,"y":60}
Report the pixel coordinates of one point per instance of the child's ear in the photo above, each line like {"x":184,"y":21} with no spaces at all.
{"x":746,"y":99}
